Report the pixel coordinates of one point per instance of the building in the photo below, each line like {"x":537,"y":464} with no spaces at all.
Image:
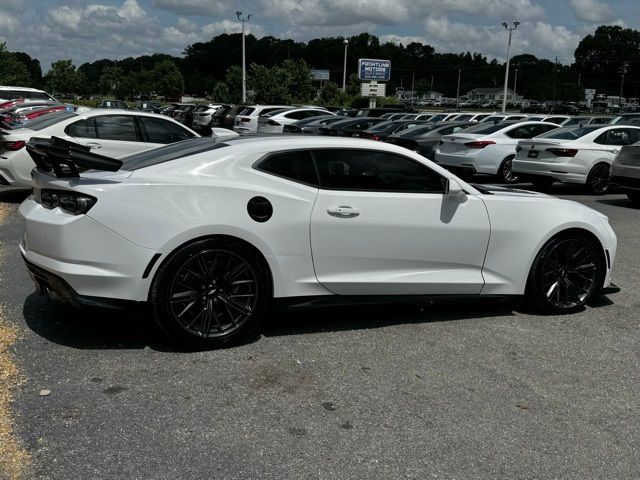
{"x":492,"y":95}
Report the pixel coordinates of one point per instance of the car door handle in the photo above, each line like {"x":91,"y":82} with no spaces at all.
{"x":93,"y":145}
{"x":343,"y":211}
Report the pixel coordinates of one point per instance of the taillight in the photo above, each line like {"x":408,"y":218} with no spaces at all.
{"x":563,"y":152}
{"x":75,"y":203}
{"x":272,"y":122}
{"x":13,"y":146}
{"x":479,"y":144}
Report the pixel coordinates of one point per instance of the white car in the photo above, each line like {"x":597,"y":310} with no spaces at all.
{"x":247,"y":120}
{"x":209,"y":234}
{"x":113,"y":133}
{"x":274,"y":122}
{"x":487,"y":148}
{"x":13,"y":93}
{"x":203,"y":114}
{"x":578,"y":154}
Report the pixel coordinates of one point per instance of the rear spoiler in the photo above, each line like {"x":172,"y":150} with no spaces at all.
{"x":66,"y":159}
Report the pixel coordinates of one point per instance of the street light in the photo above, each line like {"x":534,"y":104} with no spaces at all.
{"x":506,"y":72}
{"x":344,"y":72}
{"x":244,"y":67}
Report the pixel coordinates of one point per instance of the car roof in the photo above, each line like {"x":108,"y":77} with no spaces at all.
{"x":24,"y":89}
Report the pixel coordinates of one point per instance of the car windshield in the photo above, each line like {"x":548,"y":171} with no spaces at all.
{"x":186,"y":148}
{"x":439,"y":117}
{"x":571,"y":133}
{"x":418,"y":130}
{"x":493,"y":118}
{"x":384,"y":126}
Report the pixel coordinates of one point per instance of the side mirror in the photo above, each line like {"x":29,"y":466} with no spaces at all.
{"x":455,"y":191}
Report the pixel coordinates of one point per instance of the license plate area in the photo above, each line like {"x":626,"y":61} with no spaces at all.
{"x":532,"y":154}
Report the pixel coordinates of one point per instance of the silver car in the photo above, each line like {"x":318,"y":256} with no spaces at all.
{"x":625,"y":171}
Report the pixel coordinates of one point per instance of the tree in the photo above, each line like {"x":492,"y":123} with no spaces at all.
{"x":269,"y":84}
{"x":167,"y":79}
{"x":12,"y":71}
{"x":299,"y":81}
{"x":111,"y":80}
{"x":63,"y":77}
{"x":33,"y":67}
{"x":229,"y":90}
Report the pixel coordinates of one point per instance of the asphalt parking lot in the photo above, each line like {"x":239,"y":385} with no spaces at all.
{"x":453,"y":391}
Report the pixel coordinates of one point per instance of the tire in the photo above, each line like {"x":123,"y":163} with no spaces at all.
{"x":565,"y":274}
{"x":598,"y":179}
{"x":211,"y":293}
{"x":505,"y":172}
{"x":542,"y":183}
{"x":634,"y":197}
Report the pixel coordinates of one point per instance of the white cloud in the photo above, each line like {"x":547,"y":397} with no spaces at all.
{"x":197,"y":7}
{"x":592,"y":11}
{"x":8,"y":22}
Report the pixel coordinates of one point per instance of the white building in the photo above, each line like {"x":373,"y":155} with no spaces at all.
{"x":492,"y":95}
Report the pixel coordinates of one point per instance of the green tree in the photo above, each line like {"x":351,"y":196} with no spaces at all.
{"x":63,"y":77}
{"x":12,"y":71}
{"x":269,"y":84}
{"x":111,"y":80}
{"x":229,"y":90}
{"x":167,"y":79}
{"x":298,"y":79}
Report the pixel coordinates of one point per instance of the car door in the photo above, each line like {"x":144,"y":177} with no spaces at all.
{"x":382,"y":224}
{"x":111,"y":135}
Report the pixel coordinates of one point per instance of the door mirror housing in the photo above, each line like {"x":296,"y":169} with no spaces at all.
{"x":455,"y":191}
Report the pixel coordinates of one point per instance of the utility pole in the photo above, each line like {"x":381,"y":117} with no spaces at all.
{"x":431,"y":83}
{"x":506,"y":71}
{"x":555,"y":82}
{"x":458,"y":91}
{"x":344,"y":72}
{"x":244,"y":65}
{"x":515,"y":82}
{"x":413,"y":84}
{"x":623,"y":71}
{"x":579,"y":78}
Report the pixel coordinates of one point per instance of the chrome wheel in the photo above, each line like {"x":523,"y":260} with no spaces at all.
{"x":213,"y":293}
{"x":569,"y":273}
{"x":506,"y":171}
{"x":598,"y":179}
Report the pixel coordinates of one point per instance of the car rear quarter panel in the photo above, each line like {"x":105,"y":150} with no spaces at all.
{"x":520,"y":226}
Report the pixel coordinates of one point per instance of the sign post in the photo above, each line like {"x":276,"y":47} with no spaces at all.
{"x":589,"y":94}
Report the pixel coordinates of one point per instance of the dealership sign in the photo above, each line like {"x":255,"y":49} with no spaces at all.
{"x":371,"y":69}
{"x":318,"y":74}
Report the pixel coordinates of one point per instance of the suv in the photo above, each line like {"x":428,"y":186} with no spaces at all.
{"x":625,"y":172}
{"x":117,"y":104}
{"x":203,"y":114}
{"x":13,"y":93}
{"x":247,"y":120}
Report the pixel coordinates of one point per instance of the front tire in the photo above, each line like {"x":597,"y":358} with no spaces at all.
{"x":598,"y":179}
{"x":211,"y":293}
{"x":565,"y":274}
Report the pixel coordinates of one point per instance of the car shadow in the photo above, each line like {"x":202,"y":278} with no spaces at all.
{"x":620,"y":202}
{"x":14,"y":196}
{"x":98,"y":329}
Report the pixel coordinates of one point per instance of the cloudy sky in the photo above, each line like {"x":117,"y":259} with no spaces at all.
{"x":90,"y":30}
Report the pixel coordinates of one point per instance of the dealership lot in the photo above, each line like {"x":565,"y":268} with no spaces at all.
{"x":473,"y":390}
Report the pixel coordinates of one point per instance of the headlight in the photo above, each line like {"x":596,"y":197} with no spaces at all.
{"x":75,"y":203}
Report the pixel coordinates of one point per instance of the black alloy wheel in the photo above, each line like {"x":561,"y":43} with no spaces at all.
{"x":566,"y":273}
{"x":210,"y":293}
{"x":598,"y":179}
{"x":505,"y":174}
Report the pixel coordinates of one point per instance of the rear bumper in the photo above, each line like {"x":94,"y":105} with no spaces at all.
{"x":561,"y":172}
{"x":56,"y":288}
{"x":628,"y":183}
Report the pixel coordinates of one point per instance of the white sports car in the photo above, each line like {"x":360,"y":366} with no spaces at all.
{"x":211,"y":232}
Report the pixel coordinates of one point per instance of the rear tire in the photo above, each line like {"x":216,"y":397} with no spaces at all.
{"x":505,"y":172}
{"x":211,"y":293}
{"x":598,"y":179}
{"x":565,"y":274}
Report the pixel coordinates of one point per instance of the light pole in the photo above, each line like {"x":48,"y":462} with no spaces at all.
{"x":458,"y":90}
{"x":515,"y":82}
{"x":506,"y":72}
{"x":344,"y":72}
{"x":244,"y":66}
{"x":623,"y":70}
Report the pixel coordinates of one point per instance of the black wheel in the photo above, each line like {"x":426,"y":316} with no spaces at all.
{"x":211,"y":293}
{"x":505,"y":172}
{"x":565,"y":273}
{"x":598,"y":179}
{"x":542,"y":183}
{"x":634,"y":197}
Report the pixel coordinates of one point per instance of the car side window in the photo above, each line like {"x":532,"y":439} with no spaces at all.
{"x":519,"y":132}
{"x":457,"y":129}
{"x":536,"y":130}
{"x":117,"y":127}
{"x":82,"y":128}
{"x":298,"y":115}
{"x":296,"y":165}
{"x":446,"y":131}
{"x":616,"y":136}
{"x":370,"y":170}
{"x":163,"y":131}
